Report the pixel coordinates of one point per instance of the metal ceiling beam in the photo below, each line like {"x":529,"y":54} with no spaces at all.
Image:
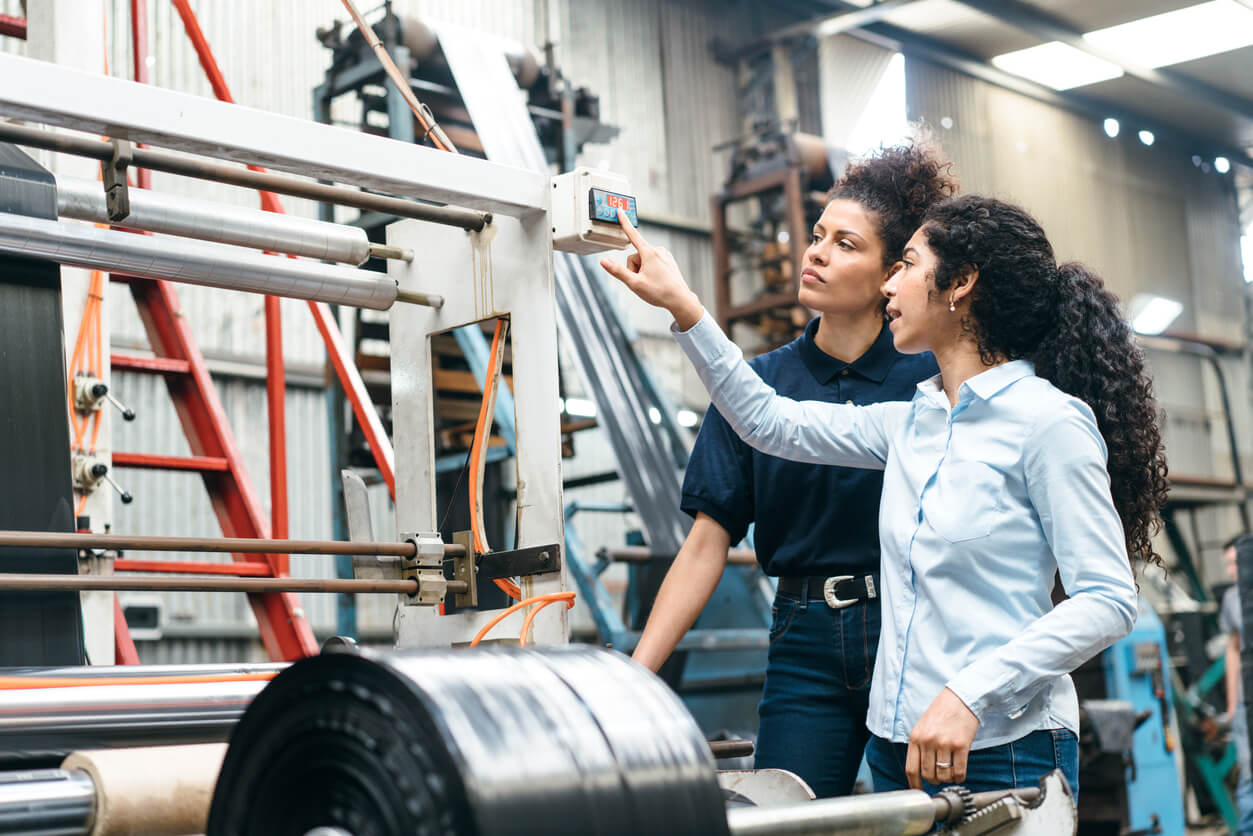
{"x":844,"y":18}
{"x":1045,"y":26}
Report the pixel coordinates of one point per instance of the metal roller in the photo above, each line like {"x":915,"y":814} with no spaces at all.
{"x":48,"y":802}
{"x":180,"y":260}
{"x":486,"y":742}
{"x":39,"y":726}
{"x":84,"y":200}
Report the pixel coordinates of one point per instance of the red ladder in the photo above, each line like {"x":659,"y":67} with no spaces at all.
{"x":284,"y":629}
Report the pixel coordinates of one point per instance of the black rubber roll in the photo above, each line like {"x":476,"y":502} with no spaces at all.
{"x":482,"y":742}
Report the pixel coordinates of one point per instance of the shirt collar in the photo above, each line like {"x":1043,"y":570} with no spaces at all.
{"x":984,"y":385}
{"x":873,"y":365}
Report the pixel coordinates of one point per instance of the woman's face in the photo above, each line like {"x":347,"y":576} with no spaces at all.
{"x":918,"y":316}
{"x":843,"y":271}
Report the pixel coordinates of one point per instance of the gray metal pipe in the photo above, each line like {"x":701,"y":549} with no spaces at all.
{"x":47,"y":802}
{"x":41,"y":723}
{"x":901,"y":813}
{"x":155,"y":212}
{"x":191,"y":262}
{"x":87,"y":672}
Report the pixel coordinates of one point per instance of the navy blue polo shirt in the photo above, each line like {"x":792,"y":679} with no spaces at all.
{"x":811,"y":519}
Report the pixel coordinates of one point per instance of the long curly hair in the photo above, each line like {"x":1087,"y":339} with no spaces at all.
{"x":1063,"y":319}
{"x":898,"y":184}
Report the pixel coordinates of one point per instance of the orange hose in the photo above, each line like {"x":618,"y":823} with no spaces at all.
{"x":526,"y":623}
{"x":482,"y":430}
{"x":17,"y":683}
{"x":548,"y":598}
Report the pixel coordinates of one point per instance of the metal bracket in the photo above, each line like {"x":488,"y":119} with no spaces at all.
{"x":116,"y":191}
{"x":534,"y":560}
{"x":426,"y":567}
{"x":465,"y":568}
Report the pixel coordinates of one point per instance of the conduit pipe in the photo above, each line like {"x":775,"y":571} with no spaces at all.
{"x":155,"y":212}
{"x":212,"y":545}
{"x":190,"y":262}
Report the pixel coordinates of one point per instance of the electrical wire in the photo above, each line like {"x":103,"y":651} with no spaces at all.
{"x":478,"y":449}
{"x":535,"y":599}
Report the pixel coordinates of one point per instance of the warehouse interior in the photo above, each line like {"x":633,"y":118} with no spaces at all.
{"x":319,"y":405}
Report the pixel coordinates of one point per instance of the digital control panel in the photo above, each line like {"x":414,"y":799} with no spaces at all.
{"x":604,"y":206}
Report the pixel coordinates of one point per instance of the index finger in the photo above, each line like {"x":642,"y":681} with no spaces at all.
{"x":632,"y":234}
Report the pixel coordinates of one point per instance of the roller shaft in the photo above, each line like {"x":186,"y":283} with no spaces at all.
{"x":900,"y":813}
{"x":221,"y":545}
{"x":156,"y":160}
{"x":32,"y":583}
{"x":46,"y":801}
{"x":84,"y":200}
{"x":192,"y":262}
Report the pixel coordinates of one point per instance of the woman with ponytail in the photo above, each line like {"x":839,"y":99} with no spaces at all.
{"x":1034,"y":453}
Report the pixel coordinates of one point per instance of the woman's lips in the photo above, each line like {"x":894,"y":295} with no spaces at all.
{"x":809,"y":276}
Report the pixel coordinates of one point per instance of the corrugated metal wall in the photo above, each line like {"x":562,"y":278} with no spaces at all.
{"x":1145,"y":218}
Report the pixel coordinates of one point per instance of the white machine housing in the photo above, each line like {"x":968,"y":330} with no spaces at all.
{"x":574,"y":230}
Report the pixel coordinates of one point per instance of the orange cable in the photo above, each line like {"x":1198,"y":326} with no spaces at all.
{"x":17,"y":683}
{"x":550,"y":597}
{"x":526,"y":623}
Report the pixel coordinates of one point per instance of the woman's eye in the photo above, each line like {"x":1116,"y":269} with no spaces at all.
{"x":815,"y":238}
{"x":846,"y":244}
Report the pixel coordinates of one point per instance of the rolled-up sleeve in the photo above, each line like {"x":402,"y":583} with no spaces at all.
{"x":1069,"y":487}
{"x":805,"y":431}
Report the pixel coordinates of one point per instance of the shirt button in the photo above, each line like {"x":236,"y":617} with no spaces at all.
{"x":849,"y":402}
{"x":845,"y":372}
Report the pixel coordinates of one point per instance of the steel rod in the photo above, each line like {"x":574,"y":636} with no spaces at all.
{"x":731,"y":748}
{"x":45,"y":583}
{"x":217,"y":545}
{"x":171,"y":163}
{"x":901,"y":813}
{"x":47,"y":801}
{"x":427,"y":300}
{"x":193,"y":262}
{"x":155,"y":212}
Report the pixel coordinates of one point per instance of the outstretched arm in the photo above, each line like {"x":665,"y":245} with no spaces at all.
{"x":808,"y":431}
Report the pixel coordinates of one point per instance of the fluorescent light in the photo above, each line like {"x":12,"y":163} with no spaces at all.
{"x":1147,"y":137}
{"x":1222,"y":165}
{"x":1152,"y":314}
{"x":1180,"y":35}
{"x":1057,"y":65}
{"x":1246,"y":254}
{"x":654,"y":415}
{"x":580,"y":407}
{"x":1112,"y":127}
{"x":687,"y":418}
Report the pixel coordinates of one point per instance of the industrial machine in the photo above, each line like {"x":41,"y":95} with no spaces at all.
{"x":438,"y":737}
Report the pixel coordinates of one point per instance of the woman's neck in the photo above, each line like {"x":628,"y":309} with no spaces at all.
{"x":847,"y":337}
{"x":959,"y":361}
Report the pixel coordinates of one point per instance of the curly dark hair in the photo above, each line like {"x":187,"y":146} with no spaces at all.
{"x":1063,"y":319}
{"x":898,"y":184}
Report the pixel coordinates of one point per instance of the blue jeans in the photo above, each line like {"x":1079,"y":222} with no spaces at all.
{"x":813,"y":705}
{"x":1244,"y":785}
{"x":1019,"y":763}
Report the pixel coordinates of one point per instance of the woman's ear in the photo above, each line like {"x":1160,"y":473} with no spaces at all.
{"x":964,"y":283}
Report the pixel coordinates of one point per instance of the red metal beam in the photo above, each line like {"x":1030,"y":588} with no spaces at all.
{"x":124,"y":652}
{"x":139,"y":55}
{"x":192,"y":567}
{"x":14,"y":27}
{"x":147,"y":461}
{"x":155,"y":365}
{"x":276,"y":409}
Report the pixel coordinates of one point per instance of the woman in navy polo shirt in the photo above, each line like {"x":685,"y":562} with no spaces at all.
{"x":815,"y":523}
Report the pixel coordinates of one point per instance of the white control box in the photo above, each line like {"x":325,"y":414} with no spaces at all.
{"x":584,"y":211}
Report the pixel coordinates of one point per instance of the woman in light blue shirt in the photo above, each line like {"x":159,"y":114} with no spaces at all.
{"x":1035,"y":452}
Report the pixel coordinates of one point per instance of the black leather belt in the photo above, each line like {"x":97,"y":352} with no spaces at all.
{"x":839,"y":591}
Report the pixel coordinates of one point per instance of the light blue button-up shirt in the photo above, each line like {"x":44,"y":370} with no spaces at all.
{"x":982,"y":503}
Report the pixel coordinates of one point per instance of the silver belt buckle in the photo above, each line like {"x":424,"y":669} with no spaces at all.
{"x":828,"y":592}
